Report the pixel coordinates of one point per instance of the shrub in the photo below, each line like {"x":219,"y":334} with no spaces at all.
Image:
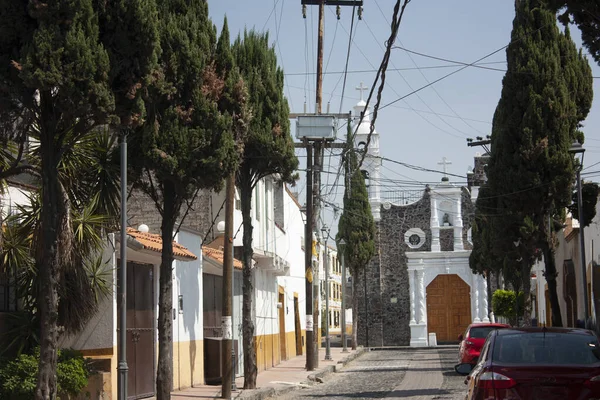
{"x":504,"y":304}
{"x":18,"y":376}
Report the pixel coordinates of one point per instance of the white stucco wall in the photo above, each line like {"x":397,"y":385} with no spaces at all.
{"x":289,"y":247}
{"x":100,"y":331}
{"x":188,"y":324}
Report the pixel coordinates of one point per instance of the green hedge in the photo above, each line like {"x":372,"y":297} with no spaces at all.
{"x":504,"y":304}
{"x":18,"y":377}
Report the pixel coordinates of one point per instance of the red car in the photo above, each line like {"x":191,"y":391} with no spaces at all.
{"x":473,"y":339}
{"x":537,"y":363}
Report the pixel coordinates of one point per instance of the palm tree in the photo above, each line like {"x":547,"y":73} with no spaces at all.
{"x":89,"y":173}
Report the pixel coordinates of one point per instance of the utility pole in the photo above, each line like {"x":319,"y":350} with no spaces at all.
{"x":308,"y":229}
{"x":586,"y":309}
{"x":315,"y":214}
{"x":341,"y":245}
{"x":325,"y":231}
{"x":228,"y":353}
{"x":319,"y":147}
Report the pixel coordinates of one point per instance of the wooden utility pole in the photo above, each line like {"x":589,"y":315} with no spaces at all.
{"x":312,"y":343}
{"x":310,"y":349}
{"x":226,"y":319}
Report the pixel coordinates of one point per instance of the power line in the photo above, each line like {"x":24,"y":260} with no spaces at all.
{"x":364,"y":71}
{"x":460,"y":69}
{"x":381,"y":72}
{"x":419,"y":97}
{"x":427,"y":80}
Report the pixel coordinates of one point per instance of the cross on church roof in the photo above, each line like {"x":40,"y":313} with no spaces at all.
{"x":362,"y":89}
{"x":444,"y":163}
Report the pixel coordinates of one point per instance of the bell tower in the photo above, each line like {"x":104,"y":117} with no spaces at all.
{"x":372,"y":162}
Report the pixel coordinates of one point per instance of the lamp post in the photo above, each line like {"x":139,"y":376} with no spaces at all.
{"x":340,"y":246}
{"x":577,"y":148}
{"x":325,"y":231}
{"x":122,"y":367}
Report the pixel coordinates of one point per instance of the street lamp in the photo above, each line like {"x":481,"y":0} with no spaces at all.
{"x":577,"y":148}
{"x":325,"y":231}
{"x":122,"y":367}
{"x":341,"y":245}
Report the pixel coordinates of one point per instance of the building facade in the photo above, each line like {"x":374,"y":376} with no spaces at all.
{"x":418,"y":289}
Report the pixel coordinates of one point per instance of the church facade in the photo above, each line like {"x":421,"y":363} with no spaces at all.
{"x":419,"y":282}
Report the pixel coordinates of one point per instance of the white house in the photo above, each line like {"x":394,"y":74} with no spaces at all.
{"x":278,"y":271}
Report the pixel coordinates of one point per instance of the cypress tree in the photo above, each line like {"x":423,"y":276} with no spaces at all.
{"x":268,"y":150}
{"x":187,"y":143}
{"x":546,"y":93}
{"x":58,"y":85}
{"x":54,"y":73}
{"x":586,"y":15}
{"x":356,"y":226}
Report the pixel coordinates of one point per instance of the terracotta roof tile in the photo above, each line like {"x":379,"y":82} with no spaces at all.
{"x":217,"y":255}
{"x":153,"y":242}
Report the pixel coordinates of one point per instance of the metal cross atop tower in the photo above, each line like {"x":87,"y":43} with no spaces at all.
{"x":444,"y":163}
{"x":362,"y":89}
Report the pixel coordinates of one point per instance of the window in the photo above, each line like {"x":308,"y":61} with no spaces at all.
{"x":547,"y":348}
{"x":278,"y":205}
{"x":257,"y":202}
{"x":7,"y":295}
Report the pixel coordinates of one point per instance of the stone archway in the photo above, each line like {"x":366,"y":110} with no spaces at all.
{"x":448,"y":307}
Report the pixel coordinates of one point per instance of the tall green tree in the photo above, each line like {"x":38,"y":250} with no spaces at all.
{"x":356,"y":226}
{"x":55,"y":72}
{"x":586,"y":15}
{"x":187,"y":144}
{"x":57,"y":83}
{"x":546,"y":93}
{"x":268,"y":151}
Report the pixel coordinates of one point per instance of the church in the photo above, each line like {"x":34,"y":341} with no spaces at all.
{"x":419,"y":282}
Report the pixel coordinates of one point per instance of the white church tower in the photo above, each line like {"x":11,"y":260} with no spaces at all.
{"x":372,"y":163}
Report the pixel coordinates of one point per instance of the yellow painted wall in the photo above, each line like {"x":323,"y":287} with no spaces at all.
{"x":290,"y":344}
{"x":188,"y":364}
{"x":268,"y":353}
{"x":104,"y":354}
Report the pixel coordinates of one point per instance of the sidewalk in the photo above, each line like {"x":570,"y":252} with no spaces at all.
{"x":288,"y":375}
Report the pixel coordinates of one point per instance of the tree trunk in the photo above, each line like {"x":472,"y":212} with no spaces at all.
{"x":551,"y":274}
{"x":526,"y":278}
{"x":489,"y":293}
{"x":354,"y":311}
{"x":250,"y":369}
{"x":164,"y":371}
{"x":54,"y":250}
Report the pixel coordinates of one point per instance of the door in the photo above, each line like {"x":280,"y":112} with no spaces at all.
{"x":298,"y":329}
{"x":282,"y":344}
{"x":141,"y":344}
{"x":448,"y":307}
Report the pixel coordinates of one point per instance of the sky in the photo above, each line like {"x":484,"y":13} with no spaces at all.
{"x":424,"y":127}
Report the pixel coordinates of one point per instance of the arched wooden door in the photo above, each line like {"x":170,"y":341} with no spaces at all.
{"x":448,"y":307}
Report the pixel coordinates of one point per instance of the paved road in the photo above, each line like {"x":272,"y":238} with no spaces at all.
{"x":392,"y":374}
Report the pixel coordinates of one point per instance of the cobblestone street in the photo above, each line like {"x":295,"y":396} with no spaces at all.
{"x":393,"y":374}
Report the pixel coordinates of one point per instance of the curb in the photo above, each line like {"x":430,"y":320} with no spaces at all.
{"x":319,"y":376}
{"x":269,"y":392}
{"x":409,"y":348}
{"x":264,"y":393}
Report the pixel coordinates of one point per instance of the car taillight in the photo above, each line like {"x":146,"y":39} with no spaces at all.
{"x":593,"y":382}
{"x":494,"y":380}
{"x":469,"y":343}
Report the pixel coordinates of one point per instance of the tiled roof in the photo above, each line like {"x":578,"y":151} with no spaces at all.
{"x":217,"y":255}
{"x":153,"y":242}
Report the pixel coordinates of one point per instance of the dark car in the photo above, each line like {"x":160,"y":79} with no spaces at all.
{"x":537,"y":363}
{"x":473,"y":339}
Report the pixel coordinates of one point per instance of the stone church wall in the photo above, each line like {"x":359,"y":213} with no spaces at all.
{"x":387,"y":284}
